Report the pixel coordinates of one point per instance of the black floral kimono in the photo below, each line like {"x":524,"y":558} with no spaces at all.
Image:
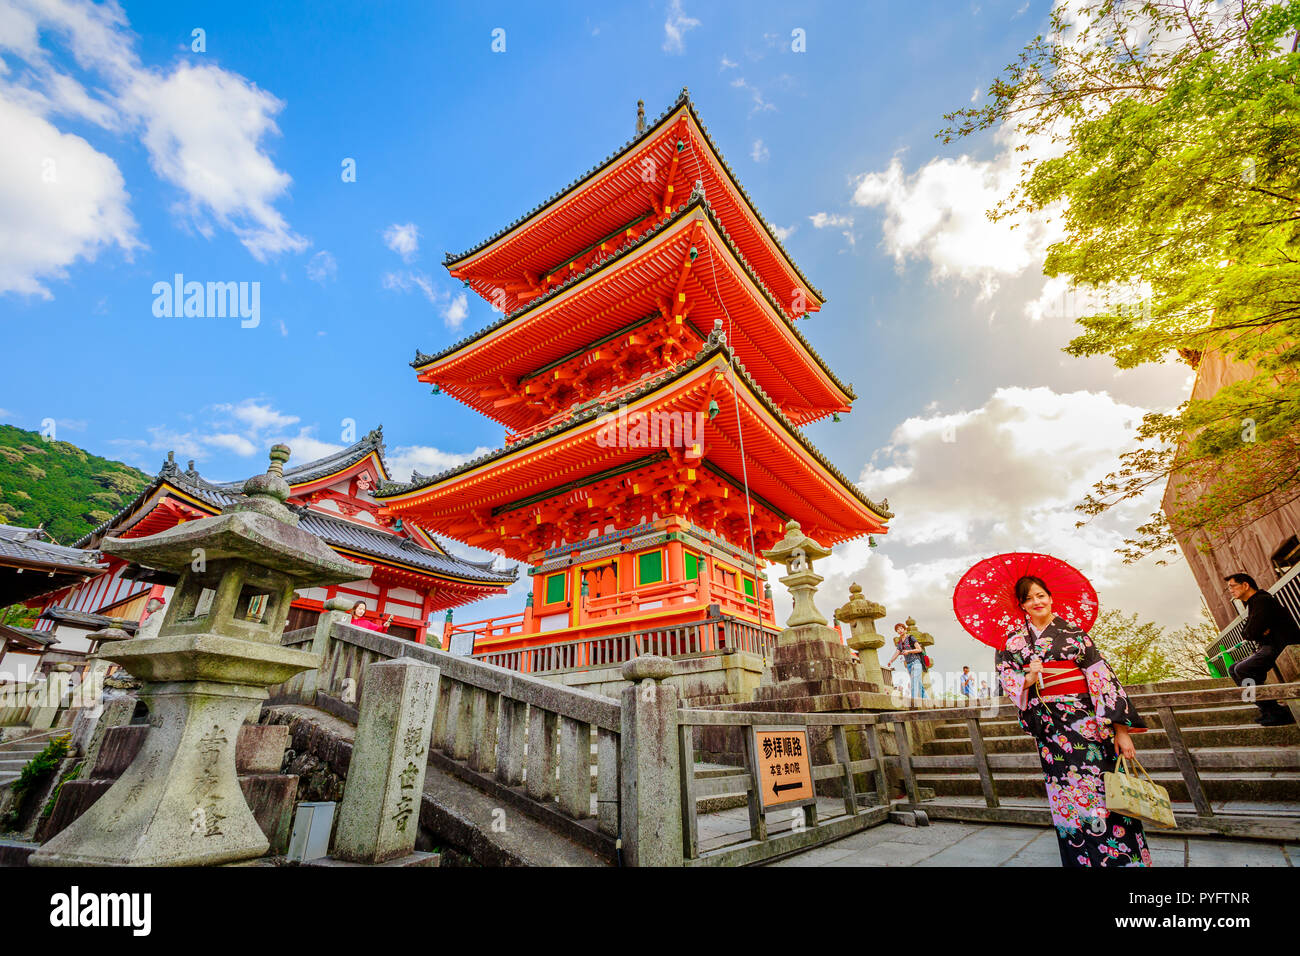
{"x":1076,"y":744}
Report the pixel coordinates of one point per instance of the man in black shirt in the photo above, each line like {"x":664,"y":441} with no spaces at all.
{"x":1271,"y":627}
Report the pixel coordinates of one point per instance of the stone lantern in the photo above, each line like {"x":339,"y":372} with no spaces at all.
{"x":797,"y":552}
{"x":206,"y":671}
{"x":861,"y":616}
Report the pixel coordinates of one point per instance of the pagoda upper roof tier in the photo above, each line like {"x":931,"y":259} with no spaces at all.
{"x":684,"y":266}
{"x":648,"y":175}
{"x":540,"y":486}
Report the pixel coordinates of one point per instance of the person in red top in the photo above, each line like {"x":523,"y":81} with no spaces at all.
{"x":359,"y":619}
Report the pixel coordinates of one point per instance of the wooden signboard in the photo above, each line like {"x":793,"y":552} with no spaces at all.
{"x":782,"y":766}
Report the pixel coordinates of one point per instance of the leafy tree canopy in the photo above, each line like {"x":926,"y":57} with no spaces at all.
{"x":1174,"y":166}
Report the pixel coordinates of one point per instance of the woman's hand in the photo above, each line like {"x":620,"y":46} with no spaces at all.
{"x":1034,"y":672}
{"x":1124,"y":743}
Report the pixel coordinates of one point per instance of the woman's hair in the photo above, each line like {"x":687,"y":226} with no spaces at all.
{"x":1024,"y":584}
{"x":900,"y":624}
{"x":359,"y":604}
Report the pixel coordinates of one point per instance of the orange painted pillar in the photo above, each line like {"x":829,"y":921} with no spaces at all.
{"x":676,"y":567}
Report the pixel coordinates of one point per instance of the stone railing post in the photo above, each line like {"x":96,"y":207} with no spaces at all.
{"x":650,"y":791}
{"x":380,"y":813}
{"x":337,"y":611}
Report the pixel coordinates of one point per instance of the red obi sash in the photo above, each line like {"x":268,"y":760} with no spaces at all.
{"x":1061,"y":678}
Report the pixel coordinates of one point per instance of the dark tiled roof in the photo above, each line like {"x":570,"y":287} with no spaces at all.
{"x":715,"y":344}
{"x":345,"y":534}
{"x":25,"y":635}
{"x":651,"y":130}
{"x":696,"y":199}
{"x":376,"y":543}
{"x":67,"y":615}
{"x":29,"y":546}
{"x":330,"y":464}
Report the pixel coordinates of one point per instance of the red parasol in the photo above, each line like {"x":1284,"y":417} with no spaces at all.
{"x":985,"y":598}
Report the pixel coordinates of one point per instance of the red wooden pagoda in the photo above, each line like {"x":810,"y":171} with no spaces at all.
{"x":652,"y":380}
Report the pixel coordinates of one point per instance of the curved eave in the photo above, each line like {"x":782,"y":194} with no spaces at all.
{"x":534,"y":456}
{"x":539,"y":216}
{"x":325,"y":481}
{"x":371,"y":559}
{"x":494,"y":338}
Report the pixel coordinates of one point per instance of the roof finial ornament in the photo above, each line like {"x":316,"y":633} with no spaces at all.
{"x":169,"y":466}
{"x":640,"y":117}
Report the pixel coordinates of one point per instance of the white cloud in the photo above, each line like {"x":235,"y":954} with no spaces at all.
{"x":322,"y":267}
{"x":938,"y":213}
{"x":403,"y":459}
{"x":676,"y":26}
{"x":1005,"y":476}
{"x":404,"y":239}
{"x":759,"y":153}
{"x":452,"y":308}
{"x":784,"y":232}
{"x":257,"y":415}
{"x":760,"y":105}
{"x":60,"y":200}
{"x":203,"y":128}
{"x":823,"y":220}
{"x":727,"y":64}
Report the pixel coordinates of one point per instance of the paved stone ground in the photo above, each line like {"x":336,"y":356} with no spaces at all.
{"x":946,"y":843}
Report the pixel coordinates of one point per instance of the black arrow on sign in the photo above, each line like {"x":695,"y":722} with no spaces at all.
{"x":778,"y":787}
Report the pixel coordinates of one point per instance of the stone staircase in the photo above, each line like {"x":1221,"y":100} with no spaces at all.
{"x":1241,"y":764}
{"x":15,"y":754}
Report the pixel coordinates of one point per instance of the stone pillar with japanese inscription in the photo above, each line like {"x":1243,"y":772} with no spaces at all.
{"x":380,"y":814}
{"x":206,"y":671}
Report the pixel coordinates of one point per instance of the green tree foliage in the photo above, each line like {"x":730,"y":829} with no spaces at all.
{"x":60,"y":486}
{"x":1176,"y":175}
{"x":1133,"y":650}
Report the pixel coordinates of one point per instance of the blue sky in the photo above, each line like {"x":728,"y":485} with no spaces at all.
{"x":139,"y":158}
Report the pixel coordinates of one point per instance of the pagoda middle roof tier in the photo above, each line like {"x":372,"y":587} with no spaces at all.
{"x":649,"y":173}
{"x":684,"y":266}
{"x":786,"y":475}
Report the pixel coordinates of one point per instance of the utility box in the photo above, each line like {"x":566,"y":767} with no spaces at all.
{"x":312,"y":823}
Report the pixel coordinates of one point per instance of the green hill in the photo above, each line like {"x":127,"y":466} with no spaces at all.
{"x":56,"y":483}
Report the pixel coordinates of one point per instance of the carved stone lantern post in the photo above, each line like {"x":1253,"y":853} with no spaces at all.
{"x":797,"y":552}
{"x":861,"y":616}
{"x":207,"y":670}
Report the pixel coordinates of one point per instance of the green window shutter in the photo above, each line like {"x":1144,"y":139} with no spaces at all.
{"x":555,"y":588}
{"x":692,"y":567}
{"x":650,"y":567}
{"x":749,"y":590}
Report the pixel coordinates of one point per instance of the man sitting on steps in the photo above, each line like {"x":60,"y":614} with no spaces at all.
{"x":1271,"y":627}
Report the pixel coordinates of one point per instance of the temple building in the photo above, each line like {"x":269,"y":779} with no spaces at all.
{"x":653,"y":383}
{"x":414,"y":576}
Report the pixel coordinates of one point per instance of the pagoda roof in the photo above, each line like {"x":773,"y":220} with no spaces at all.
{"x":870,"y":515}
{"x":772,"y":349}
{"x":767,"y":247}
{"x":374,"y":544}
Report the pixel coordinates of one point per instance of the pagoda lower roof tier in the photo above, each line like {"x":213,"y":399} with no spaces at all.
{"x":656,"y":452}
{"x":648,"y":176}
{"x":649,"y":304}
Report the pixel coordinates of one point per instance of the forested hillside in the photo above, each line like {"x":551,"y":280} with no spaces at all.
{"x":58,"y":484}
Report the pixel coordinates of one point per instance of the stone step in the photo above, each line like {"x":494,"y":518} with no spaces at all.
{"x":1221,"y":736}
{"x":1275,"y":786}
{"x":1240,"y":714}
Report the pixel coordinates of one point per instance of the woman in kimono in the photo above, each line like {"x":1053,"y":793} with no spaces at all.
{"x":1071,"y":703}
